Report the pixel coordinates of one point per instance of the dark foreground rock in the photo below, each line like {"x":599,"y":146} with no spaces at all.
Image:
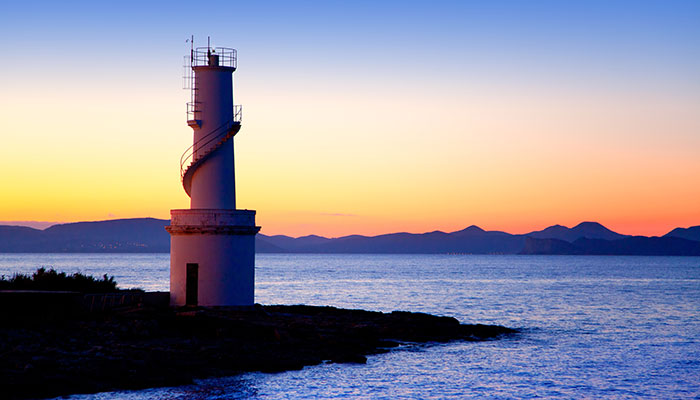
{"x":141,"y":347}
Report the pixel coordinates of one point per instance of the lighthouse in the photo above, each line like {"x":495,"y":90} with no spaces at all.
{"x":212,"y":244}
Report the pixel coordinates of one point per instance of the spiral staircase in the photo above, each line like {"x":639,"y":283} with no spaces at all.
{"x":195,"y":156}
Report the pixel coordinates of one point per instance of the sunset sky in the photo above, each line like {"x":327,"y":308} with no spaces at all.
{"x":363,"y":117}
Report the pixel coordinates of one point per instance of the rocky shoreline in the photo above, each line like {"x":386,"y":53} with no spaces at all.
{"x":142,"y":347}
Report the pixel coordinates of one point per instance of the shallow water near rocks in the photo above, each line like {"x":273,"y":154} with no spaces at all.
{"x":592,"y":327}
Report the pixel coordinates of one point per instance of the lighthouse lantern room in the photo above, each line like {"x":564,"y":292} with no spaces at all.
{"x":212,"y":245}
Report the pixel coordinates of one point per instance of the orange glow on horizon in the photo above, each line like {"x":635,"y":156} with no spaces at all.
{"x":319,"y":154}
{"x":325,"y":224}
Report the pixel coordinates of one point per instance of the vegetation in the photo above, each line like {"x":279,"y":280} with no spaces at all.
{"x":44,"y":279}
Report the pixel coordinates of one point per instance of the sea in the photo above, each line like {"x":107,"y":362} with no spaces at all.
{"x":597,"y":327}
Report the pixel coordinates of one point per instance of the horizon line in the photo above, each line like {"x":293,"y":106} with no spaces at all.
{"x":43,"y":225}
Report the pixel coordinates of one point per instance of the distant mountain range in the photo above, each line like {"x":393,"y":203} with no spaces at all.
{"x":138,"y":235}
{"x":147,"y":235}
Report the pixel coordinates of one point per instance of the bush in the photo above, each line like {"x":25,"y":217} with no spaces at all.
{"x":44,"y":279}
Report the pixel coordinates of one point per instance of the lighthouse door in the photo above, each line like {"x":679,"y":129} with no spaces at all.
{"x":191,"y":284}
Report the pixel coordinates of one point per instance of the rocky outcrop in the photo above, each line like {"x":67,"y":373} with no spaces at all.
{"x":144,"y":347}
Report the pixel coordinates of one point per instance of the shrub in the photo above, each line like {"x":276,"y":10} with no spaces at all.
{"x":50,"y":279}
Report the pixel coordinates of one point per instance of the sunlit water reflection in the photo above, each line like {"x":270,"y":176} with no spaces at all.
{"x":594,"y":327}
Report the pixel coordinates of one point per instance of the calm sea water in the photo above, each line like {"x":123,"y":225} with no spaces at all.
{"x":592,"y":327}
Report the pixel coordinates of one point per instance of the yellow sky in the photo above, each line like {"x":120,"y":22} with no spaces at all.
{"x":416,"y":122}
{"x":319,"y":162}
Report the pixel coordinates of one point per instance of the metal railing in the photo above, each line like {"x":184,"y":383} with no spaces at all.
{"x":219,"y":133}
{"x":238,"y":113}
{"x":213,"y":56}
{"x":201,"y":56}
{"x":187,"y":73}
{"x":193,"y":110}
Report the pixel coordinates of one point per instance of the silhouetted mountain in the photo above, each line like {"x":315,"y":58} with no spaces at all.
{"x":589,"y":230}
{"x":632,"y":245}
{"x":471,"y":240}
{"x":692,"y":233}
{"x":19,"y":239}
{"x":138,"y":235}
{"x":290,"y":243}
{"x":144,"y":233}
{"x":470,"y":230}
{"x":547,"y":246}
{"x":263,"y":245}
{"x":147,"y":235}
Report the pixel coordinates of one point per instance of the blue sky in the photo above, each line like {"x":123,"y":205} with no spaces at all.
{"x":371,"y":109}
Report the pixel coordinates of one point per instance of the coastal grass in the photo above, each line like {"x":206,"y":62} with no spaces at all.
{"x":52,"y":280}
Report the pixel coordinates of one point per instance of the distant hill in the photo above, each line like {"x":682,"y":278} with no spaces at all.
{"x":588,"y":230}
{"x":632,"y":245}
{"x":148,"y":235}
{"x":692,"y":233}
{"x":20,"y":239}
{"x":534,"y":246}
{"x":263,"y":246}
{"x":138,"y":235}
{"x":472,"y":240}
{"x":292,"y":244}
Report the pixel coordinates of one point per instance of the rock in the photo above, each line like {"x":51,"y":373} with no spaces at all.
{"x":148,"y":347}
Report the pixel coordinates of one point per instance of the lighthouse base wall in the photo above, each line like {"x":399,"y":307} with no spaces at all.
{"x":212,"y":257}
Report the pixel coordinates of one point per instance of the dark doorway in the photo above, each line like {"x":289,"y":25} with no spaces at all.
{"x":191,"y":285}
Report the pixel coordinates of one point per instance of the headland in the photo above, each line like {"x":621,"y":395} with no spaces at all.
{"x":143,"y":346}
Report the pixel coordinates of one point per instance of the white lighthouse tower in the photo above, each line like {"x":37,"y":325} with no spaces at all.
{"x":212,"y":245}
